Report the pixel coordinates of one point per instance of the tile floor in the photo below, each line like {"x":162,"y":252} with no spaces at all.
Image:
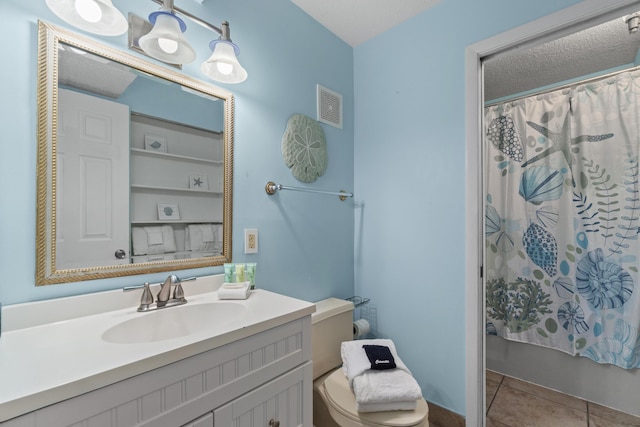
{"x":515,"y":403}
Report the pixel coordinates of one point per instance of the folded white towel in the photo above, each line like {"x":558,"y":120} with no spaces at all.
{"x":201,"y":237}
{"x":409,"y":405}
{"x":390,"y":386}
{"x":355,"y":361}
{"x":393,"y":387}
{"x":207,"y":234}
{"x":141,"y":236}
{"x":154,"y":236}
{"x":240,"y":290}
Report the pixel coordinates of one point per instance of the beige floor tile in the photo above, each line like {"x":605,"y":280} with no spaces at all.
{"x":554,"y":396}
{"x":595,"y":421}
{"x":491,"y":390}
{"x":493,"y":376}
{"x":517,"y":408}
{"x":493,"y":423}
{"x":601,"y":416}
{"x":439,"y":416}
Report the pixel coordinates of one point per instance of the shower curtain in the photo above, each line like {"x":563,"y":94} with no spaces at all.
{"x":562,"y":220}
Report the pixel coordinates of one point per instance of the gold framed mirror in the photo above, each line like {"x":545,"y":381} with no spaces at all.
{"x":135,"y":164}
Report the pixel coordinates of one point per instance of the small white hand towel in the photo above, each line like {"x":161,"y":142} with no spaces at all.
{"x":392,"y":388}
{"x":240,"y":290}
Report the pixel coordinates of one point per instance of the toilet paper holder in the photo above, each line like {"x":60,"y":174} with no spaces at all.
{"x":364,"y":323}
{"x":358,"y":301}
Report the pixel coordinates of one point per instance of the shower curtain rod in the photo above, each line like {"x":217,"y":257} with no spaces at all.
{"x":272,"y":187}
{"x":564,"y":86}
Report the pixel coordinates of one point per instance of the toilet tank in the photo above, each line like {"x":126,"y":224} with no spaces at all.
{"x":331,"y":324}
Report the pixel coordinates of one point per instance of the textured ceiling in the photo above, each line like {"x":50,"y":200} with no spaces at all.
{"x":589,"y":51}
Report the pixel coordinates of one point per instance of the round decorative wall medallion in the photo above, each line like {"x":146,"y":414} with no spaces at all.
{"x":304,"y":148}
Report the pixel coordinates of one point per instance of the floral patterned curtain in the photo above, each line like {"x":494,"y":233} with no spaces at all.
{"x":562,"y":220}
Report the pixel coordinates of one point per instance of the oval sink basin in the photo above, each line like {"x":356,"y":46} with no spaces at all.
{"x":174,"y":322}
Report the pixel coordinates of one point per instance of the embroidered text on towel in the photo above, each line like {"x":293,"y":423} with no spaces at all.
{"x":380,"y":357}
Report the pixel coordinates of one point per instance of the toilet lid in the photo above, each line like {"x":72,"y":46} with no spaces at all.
{"x":343,"y":400}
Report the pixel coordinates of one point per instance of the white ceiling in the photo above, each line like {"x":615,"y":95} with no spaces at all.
{"x":589,"y":51}
{"x":356,"y":21}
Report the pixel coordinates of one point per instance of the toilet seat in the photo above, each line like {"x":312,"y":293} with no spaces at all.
{"x":342,"y":404}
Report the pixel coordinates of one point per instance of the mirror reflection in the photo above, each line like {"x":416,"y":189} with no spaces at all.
{"x":137,"y":167}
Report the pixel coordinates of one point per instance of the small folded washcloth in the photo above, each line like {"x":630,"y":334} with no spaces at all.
{"x":240,"y":290}
{"x":380,"y":357}
{"x":392,"y":389}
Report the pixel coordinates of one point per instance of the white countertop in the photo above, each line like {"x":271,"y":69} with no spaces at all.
{"x":56,"y":355}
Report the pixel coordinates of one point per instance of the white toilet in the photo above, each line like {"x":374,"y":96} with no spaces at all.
{"x":333,"y":401}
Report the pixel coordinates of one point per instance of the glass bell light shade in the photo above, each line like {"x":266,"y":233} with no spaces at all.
{"x":94,"y":16}
{"x":165,"y":41}
{"x":222,"y":65}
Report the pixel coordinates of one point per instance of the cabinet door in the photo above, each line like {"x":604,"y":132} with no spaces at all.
{"x":285,"y":400}
{"x":204,"y":421}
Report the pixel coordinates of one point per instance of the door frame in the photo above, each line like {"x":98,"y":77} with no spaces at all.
{"x":584,"y":14}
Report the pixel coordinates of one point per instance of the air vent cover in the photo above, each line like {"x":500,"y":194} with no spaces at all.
{"x":329,"y":107}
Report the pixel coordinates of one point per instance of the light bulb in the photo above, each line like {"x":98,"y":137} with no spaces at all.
{"x":88,"y":10}
{"x":224,"y":68}
{"x":168,"y":45}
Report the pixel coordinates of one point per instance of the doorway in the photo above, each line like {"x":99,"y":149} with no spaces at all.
{"x":559,"y":24}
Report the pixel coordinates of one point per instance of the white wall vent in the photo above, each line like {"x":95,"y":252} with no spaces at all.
{"x":329,"y":107}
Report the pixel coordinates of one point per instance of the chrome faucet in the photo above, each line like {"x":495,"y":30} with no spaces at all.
{"x":164,"y":298}
{"x":165,"y":290}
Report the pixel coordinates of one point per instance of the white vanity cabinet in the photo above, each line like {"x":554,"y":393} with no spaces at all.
{"x":203,"y":421}
{"x":248,"y":382}
{"x":281,"y":402}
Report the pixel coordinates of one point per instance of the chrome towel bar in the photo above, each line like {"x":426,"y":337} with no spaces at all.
{"x":272,"y":187}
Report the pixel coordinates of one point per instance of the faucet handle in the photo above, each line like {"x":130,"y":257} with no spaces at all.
{"x":146,"y":293}
{"x":147,"y":296}
{"x":178,"y":292}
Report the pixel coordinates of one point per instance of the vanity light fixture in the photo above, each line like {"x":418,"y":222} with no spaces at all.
{"x":166,"y":43}
{"x":633,"y":21}
{"x":95,"y":16}
{"x":223,"y":64}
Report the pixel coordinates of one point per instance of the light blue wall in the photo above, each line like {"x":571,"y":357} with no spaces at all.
{"x":306,"y":242}
{"x":410,"y":181}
